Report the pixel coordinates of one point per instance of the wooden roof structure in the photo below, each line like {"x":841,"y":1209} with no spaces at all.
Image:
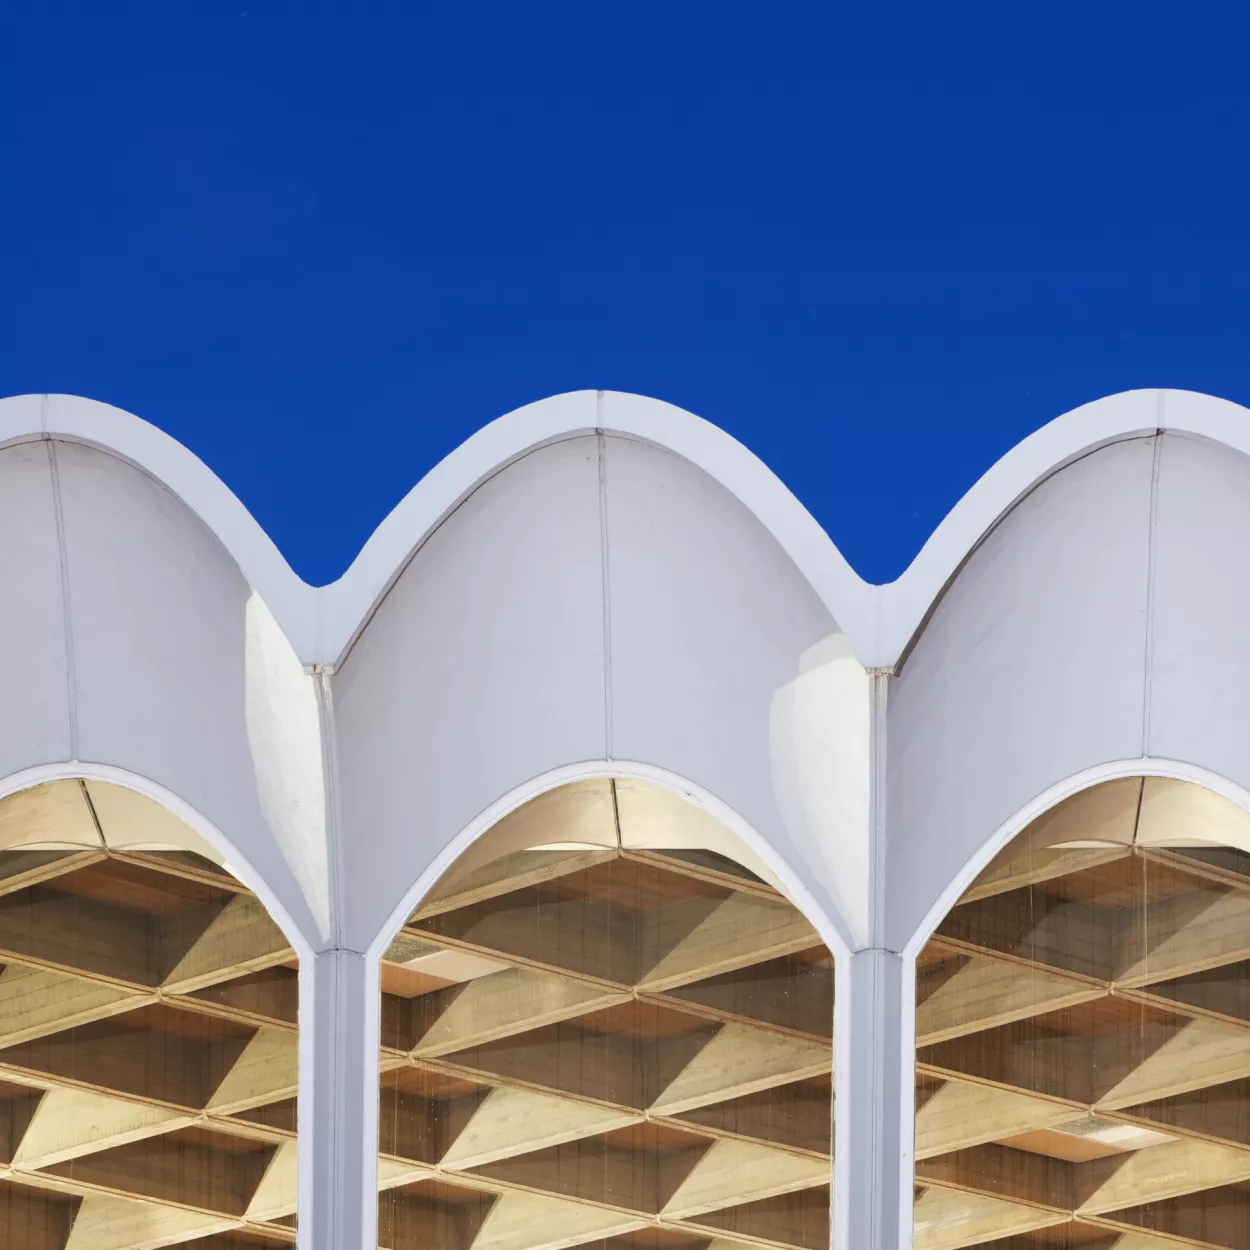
{"x":605,"y":1045}
{"x":1083,"y":1028}
{"x":148,"y":1043}
{"x":591,"y":1039}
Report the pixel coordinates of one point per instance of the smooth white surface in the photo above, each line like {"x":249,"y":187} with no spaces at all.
{"x":159,"y":629}
{"x":482,"y":668}
{"x":284,"y":737}
{"x":879,"y":621}
{"x":339,"y":1038}
{"x":183,"y":473}
{"x":34,"y":684}
{"x":906,"y":602}
{"x":1031,"y":668}
{"x":743,"y":475}
{"x":725,"y":667}
{"x":874,"y":1098}
{"x":792,"y":883}
{"x":1200,"y":660}
{"x":1079,"y":615}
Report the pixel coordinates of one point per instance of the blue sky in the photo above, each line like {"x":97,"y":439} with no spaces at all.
{"x":879,"y":250}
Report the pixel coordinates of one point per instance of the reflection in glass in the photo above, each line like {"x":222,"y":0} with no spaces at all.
{"x":148,"y":1044}
{"x":1083,"y":1023}
{"x":600,"y":1028}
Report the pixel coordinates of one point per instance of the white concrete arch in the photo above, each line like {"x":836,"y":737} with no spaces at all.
{"x":906,"y":602}
{"x":1113,"y":770}
{"x":878,"y":621}
{"x":599,"y":578}
{"x":234,"y":854}
{"x":322,"y":622}
{"x":74,"y":419}
{"x":348,"y":602}
{"x":600,"y":598}
{"x":1097,"y":619}
{"x":237,"y":859}
{"x":998,"y":839}
{"x":590,"y":770}
{"x":136,"y":642}
{"x":1081,"y":621}
{"x":845,"y":1208}
{"x":1031,"y":667}
{"x":208,"y":623}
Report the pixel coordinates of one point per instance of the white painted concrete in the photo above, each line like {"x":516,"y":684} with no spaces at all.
{"x":604,"y":584}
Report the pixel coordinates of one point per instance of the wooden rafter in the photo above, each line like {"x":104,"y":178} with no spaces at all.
{"x":145,"y":998}
{"x":1084,"y":1044}
{"x":147,"y":1038}
{"x":610,"y":995}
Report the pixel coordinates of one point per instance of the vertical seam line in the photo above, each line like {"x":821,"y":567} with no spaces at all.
{"x":1147,"y":677}
{"x":606,"y":575}
{"x":878,"y":693}
{"x":324,"y":695}
{"x":874,"y":1136}
{"x":337,"y":1209}
{"x":67,"y":614}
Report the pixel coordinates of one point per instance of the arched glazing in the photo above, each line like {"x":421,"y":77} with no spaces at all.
{"x":606,"y":1026}
{"x":148,"y":1034}
{"x":1083,"y":1033}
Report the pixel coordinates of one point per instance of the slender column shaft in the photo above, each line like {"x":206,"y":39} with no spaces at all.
{"x":338,"y":1131}
{"x":872,"y":1161}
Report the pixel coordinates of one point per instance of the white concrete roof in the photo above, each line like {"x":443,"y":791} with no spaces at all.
{"x":604,"y":585}
{"x":572,"y":530}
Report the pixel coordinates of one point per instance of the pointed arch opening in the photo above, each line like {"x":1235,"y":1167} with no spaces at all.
{"x":148,"y":1033}
{"x":606,"y":1025}
{"x":1083,"y":1032}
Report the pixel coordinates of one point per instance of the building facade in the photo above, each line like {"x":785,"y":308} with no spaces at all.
{"x":601,"y":862}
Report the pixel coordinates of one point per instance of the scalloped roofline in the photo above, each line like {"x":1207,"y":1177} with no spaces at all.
{"x":879,"y":621}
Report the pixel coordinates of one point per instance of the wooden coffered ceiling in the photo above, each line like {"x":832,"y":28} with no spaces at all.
{"x":148,"y":1047}
{"x":1083,"y":1022}
{"x":600,"y":1045}
{"x":631,"y":1047}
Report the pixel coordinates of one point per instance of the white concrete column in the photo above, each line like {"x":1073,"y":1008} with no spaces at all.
{"x":872,"y":1088}
{"x":874,"y":1061}
{"x":338,"y":1111}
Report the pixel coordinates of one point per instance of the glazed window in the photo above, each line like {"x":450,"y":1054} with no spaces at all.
{"x":1083,"y":1022}
{"x":606,"y":1026}
{"x":148,"y":1044}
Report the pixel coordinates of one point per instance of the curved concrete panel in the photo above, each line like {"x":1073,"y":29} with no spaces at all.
{"x":34,"y":686}
{"x":88,"y":421}
{"x":1199,"y":661}
{"x":251,"y":578}
{"x":482,"y":668}
{"x":871,"y":624}
{"x":903,"y":605}
{"x":347,"y":603}
{"x":601,"y":599}
{"x":728,"y":669}
{"x":602,"y":583}
{"x":1031,"y":668}
{"x":168,"y":663}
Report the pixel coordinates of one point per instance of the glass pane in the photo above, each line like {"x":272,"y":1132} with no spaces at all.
{"x":148,"y":1043}
{"x":1083,"y":1025}
{"x":603,"y":1028}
